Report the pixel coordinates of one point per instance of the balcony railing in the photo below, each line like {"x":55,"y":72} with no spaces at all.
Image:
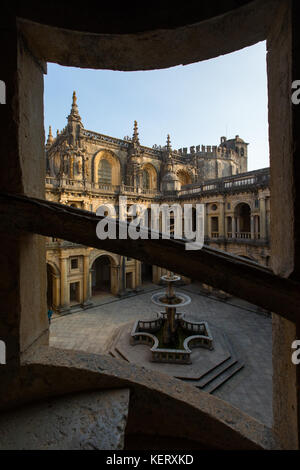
{"x":243,"y":235}
{"x":69,"y":183}
{"x":229,"y":183}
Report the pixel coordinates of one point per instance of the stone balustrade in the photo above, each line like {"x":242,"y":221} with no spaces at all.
{"x":243,"y":181}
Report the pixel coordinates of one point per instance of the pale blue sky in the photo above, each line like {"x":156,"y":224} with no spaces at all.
{"x":196,"y":104}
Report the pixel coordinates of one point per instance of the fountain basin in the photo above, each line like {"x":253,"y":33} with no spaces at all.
{"x":197,"y":334}
{"x":162,"y":300}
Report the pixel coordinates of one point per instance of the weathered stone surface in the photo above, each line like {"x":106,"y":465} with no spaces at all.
{"x":152,"y":49}
{"x":95,"y":420}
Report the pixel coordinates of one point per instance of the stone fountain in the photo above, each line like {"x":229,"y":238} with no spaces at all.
{"x":171,"y":336}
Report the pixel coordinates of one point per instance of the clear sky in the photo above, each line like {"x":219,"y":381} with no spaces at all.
{"x":196,"y":104}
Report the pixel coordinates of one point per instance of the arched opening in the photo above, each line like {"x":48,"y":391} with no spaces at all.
{"x":50,"y":276}
{"x":184,"y":177}
{"x":214,"y":227}
{"x":149,"y":177}
{"x":101,"y":276}
{"x":243,"y":220}
{"x":104,"y":172}
{"x":147,"y":273}
{"x":106,"y":168}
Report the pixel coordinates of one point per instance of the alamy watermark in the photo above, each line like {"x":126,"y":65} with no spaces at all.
{"x":2,"y":352}
{"x":296,"y":94}
{"x":296,"y":354}
{"x":175,"y":221}
{"x":2,"y":92}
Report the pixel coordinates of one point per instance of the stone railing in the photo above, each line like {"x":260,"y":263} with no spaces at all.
{"x":236,"y":236}
{"x":105,"y":187}
{"x":168,"y":355}
{"x":151,"y":325}
{"x":214,"y":234}
{"x":58,"y":243}
{"x":244,"y":235}
{"x":177,"y":356}
{"x":69,"y":183}
{"x":243,"y":181}
{"x":197,"y":341}
{"x":156,"y":153}
{"x":104,"y":138}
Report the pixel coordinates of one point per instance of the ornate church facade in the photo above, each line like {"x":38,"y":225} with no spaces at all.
{"x":86,"y":169}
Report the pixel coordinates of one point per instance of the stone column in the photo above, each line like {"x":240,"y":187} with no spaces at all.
{"x":262,"y":213}
{"x":205,"y":221}
{"x":222,"y":219}
{"x":90,"y":284}
{"x":209,"y":227}
{"x":86,"y":301}
{"x":226,"y":227}
{"x":115,"y":279}
{"x":252,"y":227}
{"x":56,"y":289}
{"x":233,"y":226}
{"x":138,"y":274}
{"x":256,"y":227}
{"x":64,"y":286}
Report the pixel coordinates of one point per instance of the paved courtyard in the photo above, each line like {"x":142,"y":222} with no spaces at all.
{"x":250,"y":333}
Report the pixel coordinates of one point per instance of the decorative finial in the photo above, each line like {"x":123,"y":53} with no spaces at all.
{"x":50,"y":138}
{"x":74,"y":114}
{"x":74,"y":109}
{"x":168,"y":142}
{"x":135,"y":137}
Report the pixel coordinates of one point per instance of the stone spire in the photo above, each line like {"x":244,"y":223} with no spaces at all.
{"x":74,"y":114}
{"x":135,"y":137}
{"x":74,"y":123}
{"x":168,"y":147}
{"x":50,"y":138}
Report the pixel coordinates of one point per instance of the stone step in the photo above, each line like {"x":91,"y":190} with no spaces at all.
{"x":112,"y":340}
{"x":114,"y":352}
{"x":212,"y":374}
{"x":119,"y":355}
{"x":223,"y":377}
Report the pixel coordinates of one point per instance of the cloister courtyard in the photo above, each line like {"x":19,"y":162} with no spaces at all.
{"x":248,"y":329}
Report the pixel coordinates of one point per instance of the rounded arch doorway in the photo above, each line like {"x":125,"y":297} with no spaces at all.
{"x":101,"y":275}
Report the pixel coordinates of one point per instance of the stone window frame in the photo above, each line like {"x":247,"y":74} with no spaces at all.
{"x":72,"y":259}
